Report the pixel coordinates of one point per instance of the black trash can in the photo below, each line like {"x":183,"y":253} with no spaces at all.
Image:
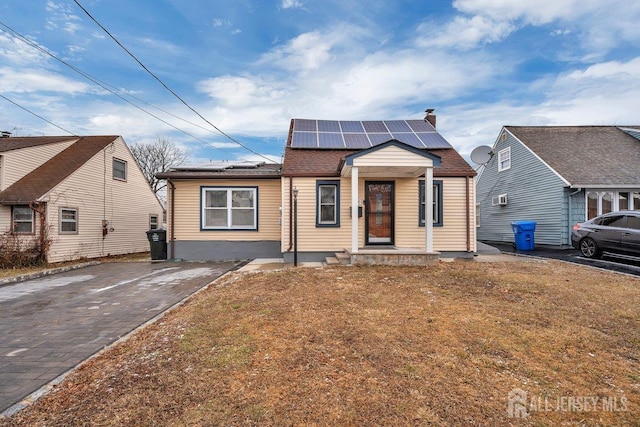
{"x":158,"y":243}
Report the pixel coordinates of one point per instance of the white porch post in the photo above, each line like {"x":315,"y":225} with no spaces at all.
{"x":428,"y":211}
{"x":354,"y":209}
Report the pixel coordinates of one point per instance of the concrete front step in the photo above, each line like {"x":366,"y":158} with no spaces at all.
{"x":331,"y":260}
{"x":344,"y":258}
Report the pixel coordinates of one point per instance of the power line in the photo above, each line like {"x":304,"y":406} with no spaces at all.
{"x":40,"y":117}
{"x":164,"y":84}
{"x":110,"y":88}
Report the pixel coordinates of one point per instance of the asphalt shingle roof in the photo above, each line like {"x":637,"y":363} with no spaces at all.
{"x":41,"y":180}
{"x":262,"y":171}
{"x":586,"y":155}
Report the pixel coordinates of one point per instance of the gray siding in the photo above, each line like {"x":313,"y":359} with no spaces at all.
{"x":534,"y":193}
{"x":216,"y":250}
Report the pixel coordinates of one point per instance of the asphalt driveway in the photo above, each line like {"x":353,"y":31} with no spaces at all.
{"x":49,"y":325}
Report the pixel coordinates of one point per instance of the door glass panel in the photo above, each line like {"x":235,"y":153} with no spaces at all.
{"x":380,"y":212}
{"x":607,"y":206}
{"x":592,"y":205}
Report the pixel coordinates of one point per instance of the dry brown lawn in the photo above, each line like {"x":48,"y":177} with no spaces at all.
{"x":439,"y":345}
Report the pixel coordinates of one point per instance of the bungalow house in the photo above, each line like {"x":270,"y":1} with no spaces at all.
{"x":557,"y":176}
{"x":350,"y":187}
{"x":80,"y":196}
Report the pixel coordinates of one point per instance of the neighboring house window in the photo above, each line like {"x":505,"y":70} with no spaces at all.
{"x":623,"y":201}
{"x":153,"y":222}
{"x":504,"y":159}
{"x":437,"y":203}
{"x":119,"y":169}
{"x":592,"y":204}
{"x":478,"y":215}
{"x":22,"y":220}
{"x":68,"y":221}
{"x":327,"y":203}
{"x":226,"y":208}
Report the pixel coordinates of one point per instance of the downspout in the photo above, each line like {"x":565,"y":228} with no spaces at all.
{"x":468,"y":215}
{"x":171,"y":220}
{"x":290,"y":214}
{"x":579,"y":190}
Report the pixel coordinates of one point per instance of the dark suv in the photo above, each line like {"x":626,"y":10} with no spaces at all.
{"x":617,"y":232}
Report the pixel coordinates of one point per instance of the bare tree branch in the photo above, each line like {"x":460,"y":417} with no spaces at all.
{"x":155,"y":157}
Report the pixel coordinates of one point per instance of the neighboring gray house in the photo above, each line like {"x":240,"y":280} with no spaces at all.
{"x":556,"y":176}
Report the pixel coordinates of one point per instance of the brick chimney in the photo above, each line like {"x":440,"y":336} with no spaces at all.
{"x":430,"y":117}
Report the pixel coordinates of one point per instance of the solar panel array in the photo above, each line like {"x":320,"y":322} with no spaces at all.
{"x":356,"y":135}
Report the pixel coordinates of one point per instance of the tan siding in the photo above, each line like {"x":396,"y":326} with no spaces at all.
{"x":310,"y":237}
{"x":392,"y":156}
{"x":126,"y":205}
{"x":452,"y":236}
{"x":18,"y":163}
{"x":187,"y":211}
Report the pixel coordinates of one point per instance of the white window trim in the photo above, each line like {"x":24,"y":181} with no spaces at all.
{"x":228,"y":208}
{"x":157,"y":224}
{"x":14,"y":221}
{"x":113,"y":174}
{"x":61,"y":220}
{"x":504,"y":156}
{"x":336,"y":195}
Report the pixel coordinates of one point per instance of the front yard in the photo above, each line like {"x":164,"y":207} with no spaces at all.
{"x":454,"y":344}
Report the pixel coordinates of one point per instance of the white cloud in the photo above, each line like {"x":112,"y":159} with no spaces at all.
{"x":33,"y":80}
{"x":465,"y":33}
{"x":15,"y":52}
{"x":291,"y":4}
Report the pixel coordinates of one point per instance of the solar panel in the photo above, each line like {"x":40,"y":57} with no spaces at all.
{"x":356,"y":140}
{"x":379,"y":138}
{"x":330,"y":140}
{"x":305,"y":139}
{"x":356,"y":135}
{"x":305,"y":125}
{"x":398,"y":126}
{"x":420,"y":126}
{"x":352,"y":127}
{"x":408,"y":138}
{"x":433,"y":140}
{"x":374,"y":127}
{"x":328,"y":126}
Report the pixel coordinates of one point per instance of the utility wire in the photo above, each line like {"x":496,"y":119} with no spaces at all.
{"x":111,"y":88}
{"x":40,"y":117}
{"x":164,"y":84}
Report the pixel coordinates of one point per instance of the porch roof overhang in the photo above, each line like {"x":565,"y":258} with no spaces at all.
{"x":392,"y":159}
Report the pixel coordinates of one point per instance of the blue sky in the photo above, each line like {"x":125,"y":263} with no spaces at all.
{"x":249,"y":66}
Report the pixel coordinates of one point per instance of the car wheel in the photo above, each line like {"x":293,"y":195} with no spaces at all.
{"x":589,"y":248}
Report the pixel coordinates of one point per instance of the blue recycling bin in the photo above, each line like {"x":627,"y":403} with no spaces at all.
{"x":523,"y":232}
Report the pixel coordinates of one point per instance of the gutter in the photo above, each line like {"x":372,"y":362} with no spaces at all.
{"x":290,"y":215}
{"x":171,"y":219}
{"x":468,"y":215}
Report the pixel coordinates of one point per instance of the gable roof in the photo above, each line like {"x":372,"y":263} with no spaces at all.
{"x":41,"y":180}
{"x":314,"y":162}
{"x":586,"y":155}
{"x":18,"y":142}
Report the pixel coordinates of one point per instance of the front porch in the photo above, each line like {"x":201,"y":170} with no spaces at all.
{"x":388,"y":255}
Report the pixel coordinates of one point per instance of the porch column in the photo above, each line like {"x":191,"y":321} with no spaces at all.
{"x":428,"y":210}
{"x":354,"y":209}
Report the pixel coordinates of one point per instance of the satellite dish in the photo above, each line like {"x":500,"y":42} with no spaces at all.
{"x":481,"y":155}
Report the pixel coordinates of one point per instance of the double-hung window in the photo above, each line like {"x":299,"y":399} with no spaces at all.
{"x":153,"y":222}
{"x":229,"y":208}
{"x":328,"y":203}
{"x":504,"y":159}
{"x":22,"y":220}
{"x":119,"y":169}
{"x":437,"y":203}
{"x":68,"y":221}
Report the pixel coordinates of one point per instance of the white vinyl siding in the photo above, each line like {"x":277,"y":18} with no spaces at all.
{"x":229,"y":208}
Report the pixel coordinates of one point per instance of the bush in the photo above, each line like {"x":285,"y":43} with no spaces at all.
{"x":19,"y":251}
